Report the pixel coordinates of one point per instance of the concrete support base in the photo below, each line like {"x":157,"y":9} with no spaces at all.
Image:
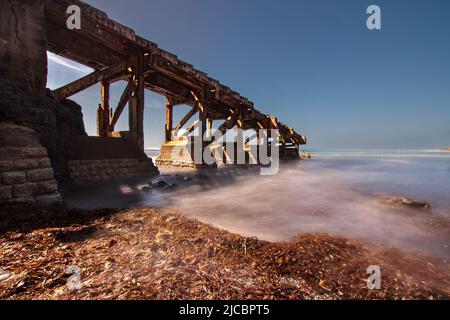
{"x":179,"y":154}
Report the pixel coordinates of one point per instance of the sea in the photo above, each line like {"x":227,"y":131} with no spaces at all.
{"x":336,"y":192}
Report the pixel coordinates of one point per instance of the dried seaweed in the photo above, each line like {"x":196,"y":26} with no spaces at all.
{"x":160,"y":254}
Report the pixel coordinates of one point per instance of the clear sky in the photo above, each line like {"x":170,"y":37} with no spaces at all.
{"x":312,"y":63}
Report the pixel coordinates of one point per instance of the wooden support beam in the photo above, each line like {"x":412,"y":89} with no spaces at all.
{"x":140,"y":99}
{"x":89,"y":80}
{"x":200,"y":106}
{"x":103,"y":42}
{"x":122,"y":103}
{"x":100,"y":120}
{"x":210,"y":126}
{"x":105,"y":88}
{"x":200,"y":122}
{"x":295,"y":142}
{"x":228,"y":124}
{"x":202,"y":115}
{"x":168,"y":87}
{"x":274,"y":122}
{"x":186,"y":118}
{"x":240,"y":119}
{"x":252,"y":137}
{"x":169,"y":120}
{"x":191,"y":127}
{"x":283,"y":149}
{"x":132,"y":115}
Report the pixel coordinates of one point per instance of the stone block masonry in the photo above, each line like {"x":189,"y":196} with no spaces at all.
{"x":105,"y":158}
{"x":106,"y":169}
{"x":23,"y":57}
{"x":178,"y":154}
{"x":25,"y":171}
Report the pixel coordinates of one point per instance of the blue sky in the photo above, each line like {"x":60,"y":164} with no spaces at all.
{"x":312,"y":63}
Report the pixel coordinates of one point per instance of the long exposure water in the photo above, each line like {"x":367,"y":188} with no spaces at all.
{"x":336,"y":192}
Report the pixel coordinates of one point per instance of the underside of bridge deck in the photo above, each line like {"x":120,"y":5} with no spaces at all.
{"x":116,"y":53}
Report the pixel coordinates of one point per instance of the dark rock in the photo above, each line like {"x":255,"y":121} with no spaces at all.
{"x":160,"y":184}
{"x":147,"y":189}
{"x":405,"y":202}
{"x":202,"y":179}
{"x":171,"y":186}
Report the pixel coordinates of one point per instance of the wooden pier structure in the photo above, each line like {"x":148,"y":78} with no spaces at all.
{"x":117,"y":53}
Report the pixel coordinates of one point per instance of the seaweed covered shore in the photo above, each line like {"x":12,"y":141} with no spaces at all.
{"x":160,"y":254}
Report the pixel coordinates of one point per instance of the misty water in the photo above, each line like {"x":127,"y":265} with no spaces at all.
{"x":335,"y":192}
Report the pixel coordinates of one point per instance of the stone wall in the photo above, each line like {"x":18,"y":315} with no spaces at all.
{"x":175,"y":163}
{"x":23,"y":77}
{"x":93,"y":170}
{"x":26,"y":174}
{"x":23,"y":56}
{"x":24,"y":102}
{"x":103,"y":158}
{"x":55,"y":123}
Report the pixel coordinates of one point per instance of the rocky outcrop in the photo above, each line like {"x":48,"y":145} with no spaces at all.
{"x":26,"y":174}
{"x":23,"y":57}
